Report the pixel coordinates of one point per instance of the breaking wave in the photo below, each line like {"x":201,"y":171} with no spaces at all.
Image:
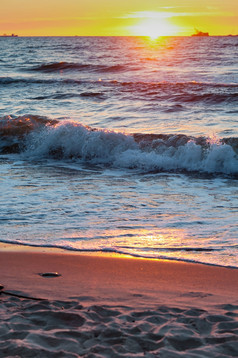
{"x":39,"y":137}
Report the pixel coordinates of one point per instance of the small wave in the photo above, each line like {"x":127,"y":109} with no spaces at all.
{"x":209,"y":98}
{"x":62,"y":96}
{"x":113,"y":68}
{"x":59,"y":66}
{"x":174,"y":249}
{"x":63,"y":66}
{"x":39,"y":137}
{"x":182,"y":93}
{"x":92,"y":94}
{"x":176,"y":85}
{"x":174,"y":108}
{"x":9,"y":81}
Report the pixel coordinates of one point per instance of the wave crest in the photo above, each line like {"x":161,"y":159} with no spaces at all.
{"x":39,"y":137}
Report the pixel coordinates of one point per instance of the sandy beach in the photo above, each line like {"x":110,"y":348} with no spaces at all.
{"x":114,"y":306}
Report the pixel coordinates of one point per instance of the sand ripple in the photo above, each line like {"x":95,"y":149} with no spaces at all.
{"x":68,"y":329}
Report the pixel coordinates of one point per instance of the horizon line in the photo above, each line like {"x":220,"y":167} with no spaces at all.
{"x":17,"y":36}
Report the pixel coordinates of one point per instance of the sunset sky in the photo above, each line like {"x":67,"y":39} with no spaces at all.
{"x":123,"y":17}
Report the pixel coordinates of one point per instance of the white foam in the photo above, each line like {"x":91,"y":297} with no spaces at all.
{"x":73,"y":140}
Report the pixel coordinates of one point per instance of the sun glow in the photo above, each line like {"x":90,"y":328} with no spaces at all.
{"x":154,"y":27}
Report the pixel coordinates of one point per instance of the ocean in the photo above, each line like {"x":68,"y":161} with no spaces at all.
{"x":121,"y":144}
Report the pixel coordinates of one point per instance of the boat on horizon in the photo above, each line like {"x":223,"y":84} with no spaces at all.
{"x":200,"y":33}
{"x":12,"y":35}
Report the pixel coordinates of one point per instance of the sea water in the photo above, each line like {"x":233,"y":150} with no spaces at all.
{"x":121,"y":144}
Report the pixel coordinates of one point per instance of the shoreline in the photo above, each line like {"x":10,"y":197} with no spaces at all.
{"x":5,"y":246}
{"x":82,"y":272}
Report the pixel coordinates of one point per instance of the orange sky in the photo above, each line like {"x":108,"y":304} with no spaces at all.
{"x":122,"y":17}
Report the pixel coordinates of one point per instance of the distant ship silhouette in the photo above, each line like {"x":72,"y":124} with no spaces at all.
{"x":200,"y":33}
{"x":12,"y":35}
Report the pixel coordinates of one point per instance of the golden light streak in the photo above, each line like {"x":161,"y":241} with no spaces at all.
{"x":155,"y":26}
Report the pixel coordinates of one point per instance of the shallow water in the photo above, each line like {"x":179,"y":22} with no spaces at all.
{"x":121,"y":144}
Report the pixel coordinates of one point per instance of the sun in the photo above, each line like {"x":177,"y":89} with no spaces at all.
{"x":154,"y":27}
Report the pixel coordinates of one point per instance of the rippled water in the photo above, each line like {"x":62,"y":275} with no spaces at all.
{"x":121,"y":144}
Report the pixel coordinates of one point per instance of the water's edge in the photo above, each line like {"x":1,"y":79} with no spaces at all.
{"x":13,"y":246}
